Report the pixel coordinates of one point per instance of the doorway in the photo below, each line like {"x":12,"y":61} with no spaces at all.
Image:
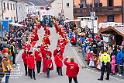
{"x":119,"y":39}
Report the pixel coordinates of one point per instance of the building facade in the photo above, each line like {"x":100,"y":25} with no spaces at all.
{"x":9,"y":10}
{"x":105,"y":10}
{"x":21,"y":11}
{"x":64,"y":7}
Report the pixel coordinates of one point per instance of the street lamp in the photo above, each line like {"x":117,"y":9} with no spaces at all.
{"x":92,"y":14}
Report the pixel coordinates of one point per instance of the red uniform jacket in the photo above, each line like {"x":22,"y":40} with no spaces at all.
{"x":46,"y":40}
{"x":41,"y":48}
{"x":73,"y":40}
{"x":24,"y":57}
{"x":56,"y":27}
{"x":38,"y":26}
{"x":27,"y":46}
{"x":31,"y":62}
{"x":36,"y":37}
{"x":49,"y":64}
{"x":47,"y":31}
{"x":55,"y":52}
{"x":62,"y":45}
{"x":34,"y":30}
{"x":58,"y":60}
{"x":33,"y":43}
{"x":72,"y":68}
{"x":38,"y":57}
{"x":45,"y":52}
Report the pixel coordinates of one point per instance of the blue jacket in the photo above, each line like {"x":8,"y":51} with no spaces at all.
{"x":119,"y":58}
{"x":82,"y":39}
{"x":70,"y":35}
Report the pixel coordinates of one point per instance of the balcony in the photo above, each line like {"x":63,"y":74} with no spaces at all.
{"x":81,"y":12}
{"x":105,"y":10}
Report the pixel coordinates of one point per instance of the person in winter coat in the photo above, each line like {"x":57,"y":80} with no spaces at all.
{"x":73,"y":40}
{"x":49,"y":65}
{"x":72,"y":69}
{"x":91,"y":58}
{"x":1,"y":70}
{"x":31,"y":65}
{"x":38,"y":58}
{"x":70,"y":34}
{"x":24,"y":58}
{"x":105,"y":60}
{"x":113,"y":64}
{"x":119,"y":61}
{"x":7,"y":67}
{"x":58,"y":61}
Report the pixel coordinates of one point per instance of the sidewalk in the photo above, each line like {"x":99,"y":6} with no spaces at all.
{"x":80,"y":53}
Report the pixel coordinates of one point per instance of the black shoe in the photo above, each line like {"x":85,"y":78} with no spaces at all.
{"x":34,"y":78}
{"x":107,"y":78}
{"x":100,"y":79}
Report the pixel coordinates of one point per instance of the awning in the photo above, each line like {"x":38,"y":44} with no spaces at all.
{"x":108,"y":30}
{"x":16,"y":24}
{"x":72,"y":20}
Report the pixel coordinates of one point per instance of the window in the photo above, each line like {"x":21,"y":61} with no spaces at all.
{"x":110,"y":18}
{"x":8,"y":6}
{"x":110,"y":2}
{"x":4,"y":6}
{"x":96,"y":3}
{"x":67,"y":4}
{"x":13,"y":6}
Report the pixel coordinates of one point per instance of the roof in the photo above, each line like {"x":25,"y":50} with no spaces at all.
{"x":38,"y":2}
{"x":118,"y":29}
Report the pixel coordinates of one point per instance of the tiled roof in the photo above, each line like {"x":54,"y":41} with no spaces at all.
{"x":38,"y":2}
{"x":118,"y":29}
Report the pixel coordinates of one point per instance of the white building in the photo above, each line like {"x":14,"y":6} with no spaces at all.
{"x":87,"y":21}
{"x":0,"y":10}
{"x":21,"y":11}
{"x":66,"y":5}
{"x":9,"y":10}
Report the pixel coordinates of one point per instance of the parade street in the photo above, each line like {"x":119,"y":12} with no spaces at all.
{"x":85,"y":75}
